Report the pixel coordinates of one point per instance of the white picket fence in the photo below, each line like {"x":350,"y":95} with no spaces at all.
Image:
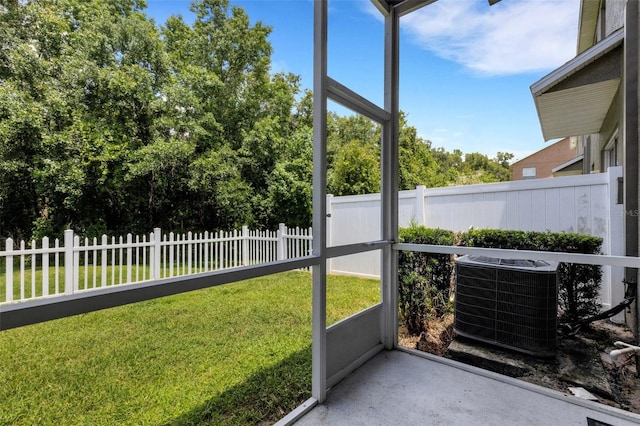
{"x":33,"y":272}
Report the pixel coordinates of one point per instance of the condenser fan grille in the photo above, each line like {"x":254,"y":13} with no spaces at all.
{"x":506,"y":305}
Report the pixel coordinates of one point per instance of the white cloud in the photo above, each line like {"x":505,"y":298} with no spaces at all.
{"x":511,"y":37}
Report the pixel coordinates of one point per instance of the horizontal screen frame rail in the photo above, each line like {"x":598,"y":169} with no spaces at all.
{"x":587,"y":259}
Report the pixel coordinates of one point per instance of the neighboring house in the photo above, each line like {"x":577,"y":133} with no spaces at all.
{"x":594,"y":97}
{"x":559,"y":159}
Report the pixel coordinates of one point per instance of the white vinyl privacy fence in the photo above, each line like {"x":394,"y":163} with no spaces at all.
{"x":50,"y":268}
{"x":586,"y":204}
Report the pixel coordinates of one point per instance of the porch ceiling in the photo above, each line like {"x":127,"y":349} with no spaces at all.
{"x":407,"y":6}
{"x":402,"y":6}
{"x":574,"y":99}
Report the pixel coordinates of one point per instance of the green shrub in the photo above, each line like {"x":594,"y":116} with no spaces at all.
{"x":579,"y":285}
{"x":424,"y":283}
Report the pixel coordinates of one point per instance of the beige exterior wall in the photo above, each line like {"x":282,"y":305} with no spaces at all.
{"x":611,"y":155}
{"x":614,"y":13}
{"x":599,"y":149}
{"x":589,"y":148}
{"x":546,"y":159}
{"x":601,"y":143}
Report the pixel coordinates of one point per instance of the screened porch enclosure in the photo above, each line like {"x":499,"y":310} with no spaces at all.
{"x":359,"y":341}
{"x":367,"y":341}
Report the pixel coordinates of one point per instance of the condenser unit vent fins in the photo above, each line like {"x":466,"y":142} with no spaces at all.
{"x":507,"y":303}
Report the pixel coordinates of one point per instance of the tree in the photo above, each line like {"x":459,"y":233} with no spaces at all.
{"x":503,"y":158}
{"x":221,"y":195}
{"x":86,"y":72}
{"x":110,"y":123}
{"x":242,"y":114}
{"x":356,"y":170}
{"x":417,"y":163}
{"x":353,"y":155}
{"x":478,"y":168}
{"x":290,"y":190}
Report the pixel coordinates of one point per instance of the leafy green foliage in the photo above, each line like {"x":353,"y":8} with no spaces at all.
{"x":353,"y":153}
{"x":107,"y":119}
{"x":289,"y":193}
{"x":356,"y":170}
{"x":424,"y":279}
{"x":579,"y":285}
{"x":112,"y":123}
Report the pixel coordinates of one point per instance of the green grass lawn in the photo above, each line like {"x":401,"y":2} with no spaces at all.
{"x":89,"y":277}
{"x":234,"y":354}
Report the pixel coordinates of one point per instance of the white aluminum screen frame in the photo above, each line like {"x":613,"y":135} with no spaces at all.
{"x":335,"y":353}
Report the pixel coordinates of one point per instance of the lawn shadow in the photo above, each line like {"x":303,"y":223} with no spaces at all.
{"x":263,"y":398}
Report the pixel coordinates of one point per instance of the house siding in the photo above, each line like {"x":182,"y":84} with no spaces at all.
{"x":614,"y":18}
{"x":614,"y":15}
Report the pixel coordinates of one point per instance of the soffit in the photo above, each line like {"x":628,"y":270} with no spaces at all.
{"x":403,"y":7}
{"x":577,"y":111}
{"x":574,"y":99}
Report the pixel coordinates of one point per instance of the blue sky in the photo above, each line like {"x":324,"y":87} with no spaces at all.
{"x":465,"y":67}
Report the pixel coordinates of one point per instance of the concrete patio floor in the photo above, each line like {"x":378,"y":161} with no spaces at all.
{"x":409,"y":387}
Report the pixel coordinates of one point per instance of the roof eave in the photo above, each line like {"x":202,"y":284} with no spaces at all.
{"x":574,"y":99}
{"x":567,"y":164}
{"x":579,"y":62}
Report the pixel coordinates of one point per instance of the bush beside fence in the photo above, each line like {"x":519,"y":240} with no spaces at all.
{"x":424,"y":289}
{"x":424,"y":279}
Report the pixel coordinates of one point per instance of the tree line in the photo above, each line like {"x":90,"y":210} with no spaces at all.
{"x":112,"y":123}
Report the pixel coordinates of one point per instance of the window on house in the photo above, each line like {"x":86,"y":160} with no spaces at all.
{"x":529,"y":173}
{"x":612,"y":152}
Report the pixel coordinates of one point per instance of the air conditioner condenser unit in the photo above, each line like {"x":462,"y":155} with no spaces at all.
{"x":509,"y":303}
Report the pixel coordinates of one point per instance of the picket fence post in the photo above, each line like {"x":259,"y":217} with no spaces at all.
{"x":68,"y":262}
{"x":129,"y":256}
{"x":189,"y":251}
{"x":156,"y":254}
{"x":206,"y":245}
{"x":104,"y":259}
{"x":9,"y":271}
{"x":245,"y":245}
{"x":171,"y":253}
{"x":76,"y":263}
{"x":45,"y":266}
{"x":282,"y":233}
